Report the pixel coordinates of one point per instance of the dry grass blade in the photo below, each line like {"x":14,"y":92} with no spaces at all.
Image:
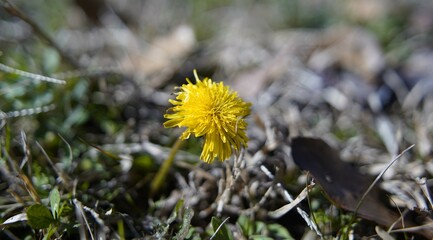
{"x":30,"y":187}
{"x":417,"y":229}
{"x":66,"y":180}
{"x":27,"y":112}
{"x":286,"y":195}
{"x":286,"y":208}
{"x":219,"y":227}
{"x":26,"y":150}
{"x":384,"y":235}
{"x":14,"y":219}
{"x":103,"y":228}
{"x":422,"y":182}
{"x":110,"y":67}
{"x":386,"y":131}
{"x":81,"y":216}
{"x":37,"y":77}
{"x":361,"y":200}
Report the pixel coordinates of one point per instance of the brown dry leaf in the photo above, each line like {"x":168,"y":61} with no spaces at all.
{"x":343,"y":183}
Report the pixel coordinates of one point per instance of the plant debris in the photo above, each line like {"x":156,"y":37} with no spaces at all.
{"x":85,"y":86}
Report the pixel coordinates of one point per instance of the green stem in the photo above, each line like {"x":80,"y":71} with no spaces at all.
{"x":121,"y":230}
{"x":157,"y":182}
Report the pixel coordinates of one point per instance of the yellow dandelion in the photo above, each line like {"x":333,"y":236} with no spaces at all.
{"x":213,"y":111}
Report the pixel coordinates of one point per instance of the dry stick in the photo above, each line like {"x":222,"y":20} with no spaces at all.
{"x":379,"y":177}
{"x":11,"y":9}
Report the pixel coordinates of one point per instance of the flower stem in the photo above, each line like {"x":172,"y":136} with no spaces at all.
{"x":161,"y":175}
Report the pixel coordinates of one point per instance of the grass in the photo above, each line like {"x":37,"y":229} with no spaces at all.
{"x":78,"y":157}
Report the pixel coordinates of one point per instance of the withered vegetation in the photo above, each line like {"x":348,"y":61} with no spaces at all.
{"x":339,"y":90}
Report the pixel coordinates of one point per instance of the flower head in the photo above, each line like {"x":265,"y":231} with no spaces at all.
{"x":213,"y":111}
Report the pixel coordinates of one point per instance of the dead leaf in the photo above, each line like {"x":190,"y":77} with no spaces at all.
{"x":343,"y":183}
{"x":14,"y":219}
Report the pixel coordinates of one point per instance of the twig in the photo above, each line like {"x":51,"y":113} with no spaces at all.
{"x":11,"y":9}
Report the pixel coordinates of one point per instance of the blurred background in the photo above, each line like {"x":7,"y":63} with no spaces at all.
{"x":356,"y":73}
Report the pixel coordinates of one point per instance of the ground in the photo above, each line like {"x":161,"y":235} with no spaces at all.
{"x":340,"y":128}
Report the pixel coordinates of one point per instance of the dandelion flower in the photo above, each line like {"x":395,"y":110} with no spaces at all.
{"x":212,"y":111}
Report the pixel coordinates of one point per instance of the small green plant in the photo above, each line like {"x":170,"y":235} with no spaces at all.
{"x":220,"y":230}
{"x":53,"y":220}
{"x":258,"y":230}
{"x":182,"y":214}
{"x":249,"y":229}
{"x":339,"y":224}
